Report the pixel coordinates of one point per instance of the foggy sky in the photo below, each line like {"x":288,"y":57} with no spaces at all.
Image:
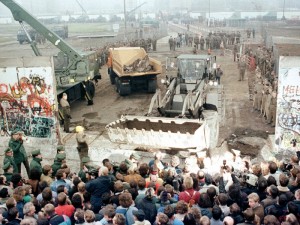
{"x":58,"y":7}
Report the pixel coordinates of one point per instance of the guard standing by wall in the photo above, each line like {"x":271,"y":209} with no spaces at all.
{"x":272,"y":109}
{"x":10,"y":159}
{"x":66,"y":112}
{"x":36,"y":161}
{"x":242,"y":68}
{"x":20,"y":155}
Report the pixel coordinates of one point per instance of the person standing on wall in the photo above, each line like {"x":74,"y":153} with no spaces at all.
{"x":219,"y":73}
{"x":19,"y":153}
{"x":66,"y":112}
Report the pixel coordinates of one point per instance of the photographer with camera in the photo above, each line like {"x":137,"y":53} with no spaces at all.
{"x":227,"y":178}
{"x":20,"y":155}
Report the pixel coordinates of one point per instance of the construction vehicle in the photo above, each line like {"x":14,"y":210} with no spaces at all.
{"x":187,"y":116}
{"x":132,"y":69}
{"x":72,"y":68}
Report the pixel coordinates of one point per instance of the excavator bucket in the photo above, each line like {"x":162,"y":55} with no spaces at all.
{"x":160,"y":132}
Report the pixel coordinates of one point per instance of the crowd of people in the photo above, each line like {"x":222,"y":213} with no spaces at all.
{"x":143,"y":193}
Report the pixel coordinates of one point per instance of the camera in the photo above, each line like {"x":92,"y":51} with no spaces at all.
{"x":250,"y":179}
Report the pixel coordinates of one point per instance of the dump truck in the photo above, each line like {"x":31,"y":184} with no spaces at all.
{"x":72,"y":68}
{"x":132,"y":69}
{"x":185,"y":115}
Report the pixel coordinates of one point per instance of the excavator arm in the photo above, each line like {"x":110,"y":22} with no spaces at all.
{"x":79,"y":66}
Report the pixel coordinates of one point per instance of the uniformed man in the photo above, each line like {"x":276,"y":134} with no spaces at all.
{"x":66,"y":112}
{"x":272,"y":109}
{"x":36,"y":160}
{"x":219,"y":74}
{"x":82,"y":145}
{"x":8,"y":171}
{"x":9,"y":158}
{"x":20,"y":155}
{"x":242,"y":68}
{"x":171,"y":43}
{"x":258,"y":92}
{"x":133,"y":160}
{"x":85,"y":167}
{"x":202,"y":42}
{"x":60,"y":158}
{"x":60,"y":149}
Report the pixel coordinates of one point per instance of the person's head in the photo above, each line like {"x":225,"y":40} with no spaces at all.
{"x":282,"y":200}
{"x":89,"y":216}
{"x":222,"y":198}
{"x":3,"y":180}
{"x":249,"y":215}
{"x":65,"y":96}
{"x":12,"y":213}
{"x":195,"y":211}
{"x":297,"y":194}
{"x":216,"y":212}
{"x":256,"y":169}
{"x":29,"y":209}
{"x":141,"y":184}
{"x":103,"y":171}
{"x":292,"y":219}
{"x":253,"y":199}
{"x":61,"y":189}
{"x":16,"y":180}
{"x":79,"y":216}
{"x":204,"y":201}
{"x":273,"y":167}
{"x":271,"y":181}
{"x":283,"y":180}
{"x":81,"y":187}
{"x":60,"y":174}
{"x":42,"y":221}
{"x":181,"y":207}
{"x":47,"y":194}
{"x":188,"y":182}
{"x":144,"y":169}
{"x":119,"y":219}
{"x":47,"y":170}
{"x":61,"y":198}
{"x":262,"y":184}
{"x":139,"y":215}
{"x":212,"y":193}
{"x":169,"y":211}
{"x":204,"y":220}
{"x":9,"y":152}
{"x":272,"y":191}
{"x":189,"y":219}
{"x":235,"y":209}
{"x":125,"y":200}
{"x":49,"y":210}
{"x":271,"y":220}
{"x":18,"y":194}
{"x":228,"y":220}
{"x":162,"y":219}
{"x":10,"y":203}
{"x":77,"y":201}
{"x":109,"y":212}
{"x":4,"y":193}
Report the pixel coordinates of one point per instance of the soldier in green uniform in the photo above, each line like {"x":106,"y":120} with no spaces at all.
{"x":9,"y":158}
{"x":84,"y":168}
{"x":8,"y":171}
{"x":36,"y":161}
{"x":16,"y":144}
{"x":58,"y":162}
{"x":60,"y":149}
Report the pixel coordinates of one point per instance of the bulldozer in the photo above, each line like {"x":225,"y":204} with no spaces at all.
{"x":185,"y":115}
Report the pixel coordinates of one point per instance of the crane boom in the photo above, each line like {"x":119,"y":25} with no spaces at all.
{"x":80,"y":66}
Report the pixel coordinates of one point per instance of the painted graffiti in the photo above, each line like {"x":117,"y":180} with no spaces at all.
{"x":288,"y":109}
{"x":27,"y":101}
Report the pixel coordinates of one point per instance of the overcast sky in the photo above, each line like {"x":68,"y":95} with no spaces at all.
{"x":62,"y":7}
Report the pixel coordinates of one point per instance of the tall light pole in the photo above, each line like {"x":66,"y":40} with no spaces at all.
{"x":283,"y":17}
{"x":125,"y":22}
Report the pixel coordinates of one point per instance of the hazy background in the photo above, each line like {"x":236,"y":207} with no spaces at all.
{"x":67,"y":7}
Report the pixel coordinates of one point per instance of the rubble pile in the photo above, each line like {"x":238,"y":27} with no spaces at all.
{"x":139,"y":65}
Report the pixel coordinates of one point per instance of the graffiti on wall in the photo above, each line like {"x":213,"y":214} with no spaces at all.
{"x":27,"y":101}
{"x":288,"y":109}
